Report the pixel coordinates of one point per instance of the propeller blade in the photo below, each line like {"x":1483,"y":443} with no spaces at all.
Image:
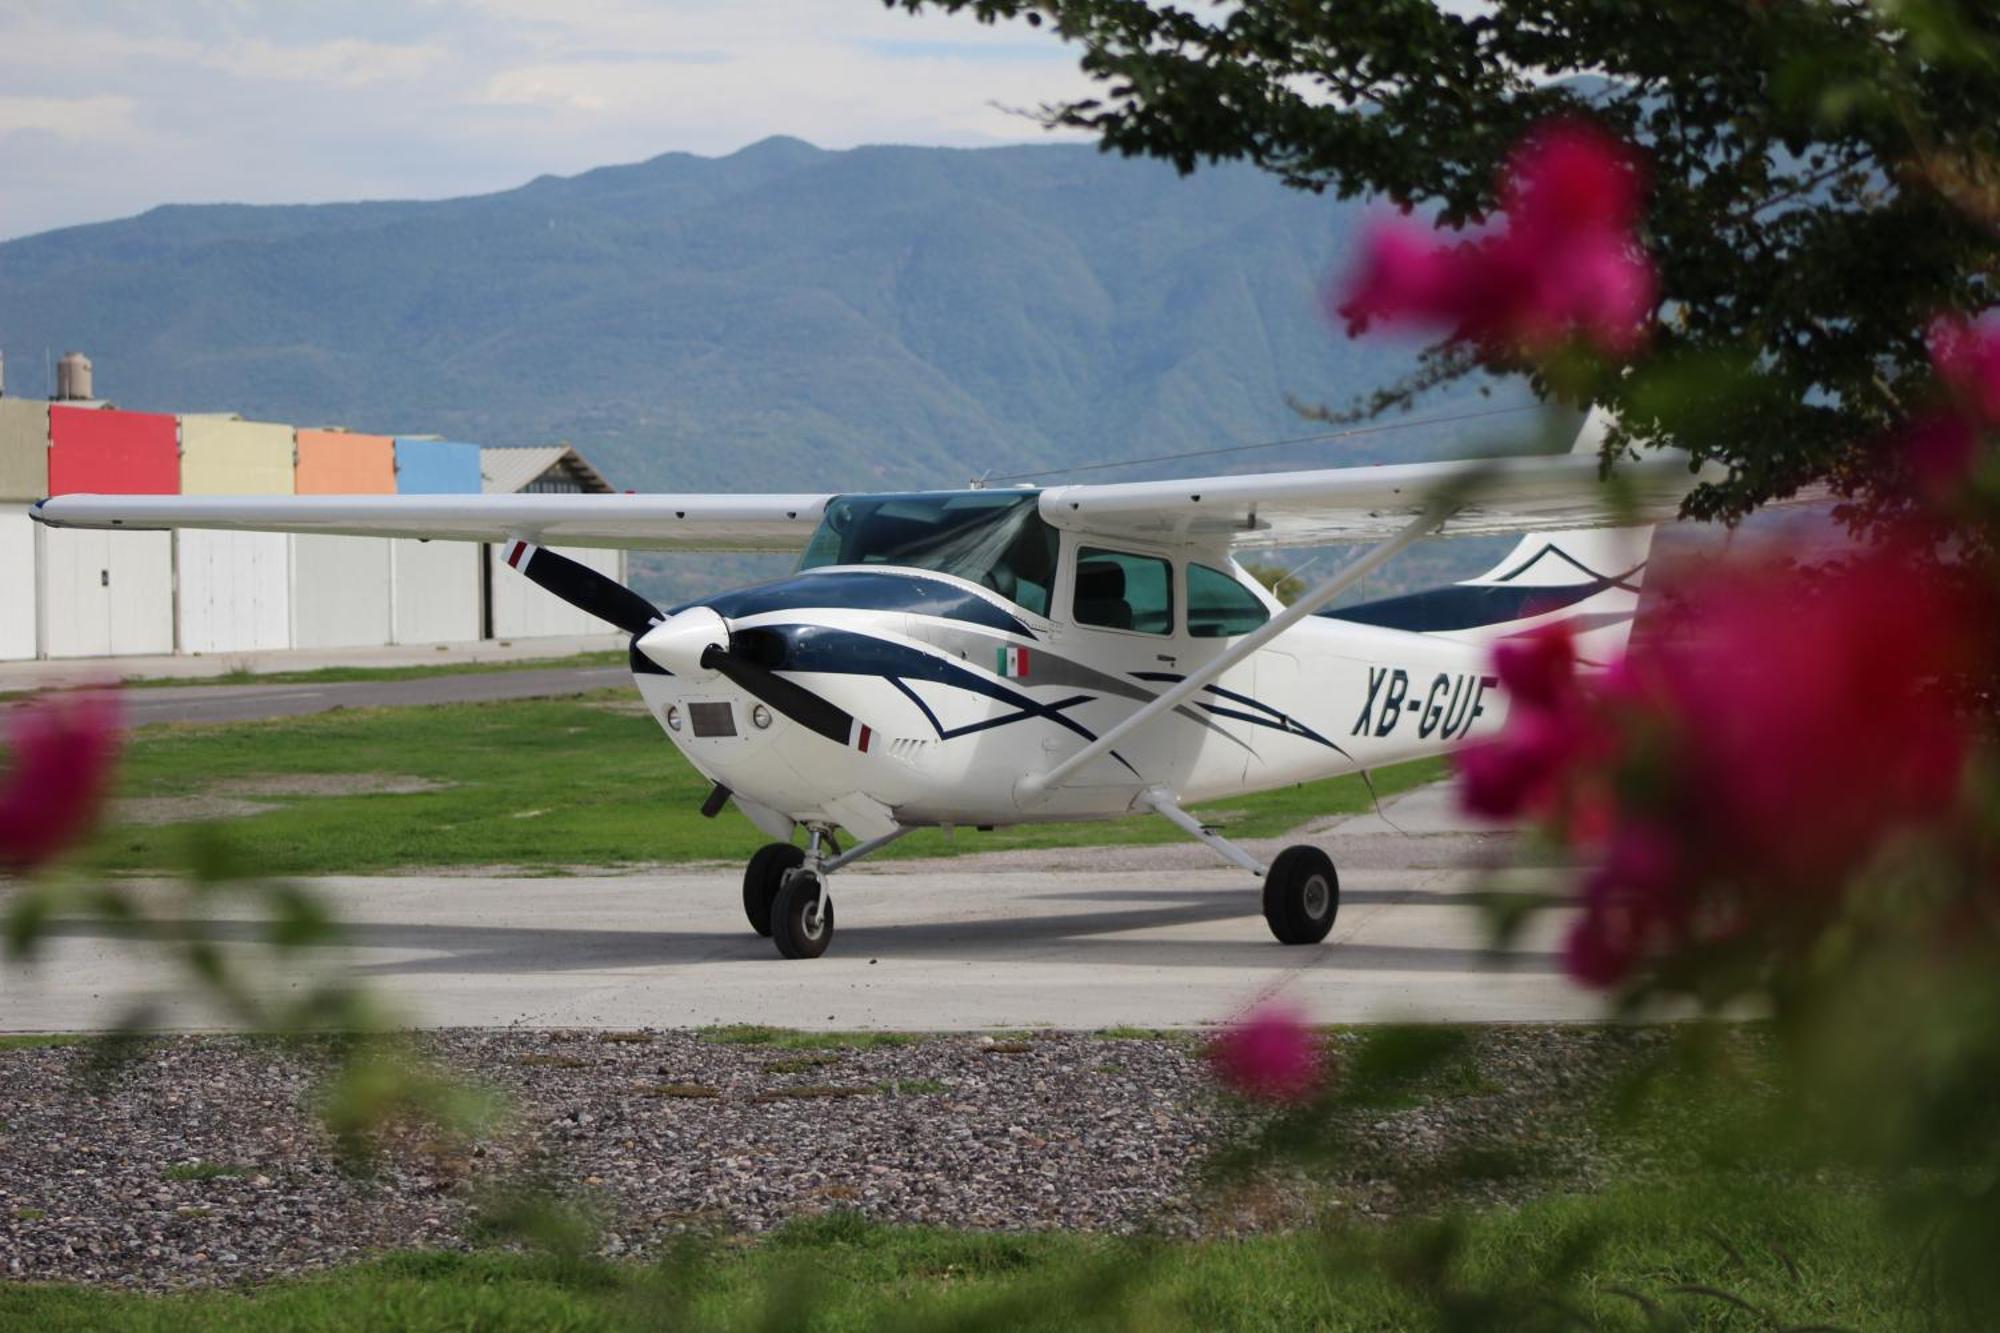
{"x":795,"y":701}
{"x":583,"y":587}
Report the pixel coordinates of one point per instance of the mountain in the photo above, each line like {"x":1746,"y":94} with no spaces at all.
{"x":781,"y":317}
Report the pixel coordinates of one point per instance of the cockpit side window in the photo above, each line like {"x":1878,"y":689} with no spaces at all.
{"x":993,"y":538}
{"x":1118,"y":590}
{"x":1219,"y":607}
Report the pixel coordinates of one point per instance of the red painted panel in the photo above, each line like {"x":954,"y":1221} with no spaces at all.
{"x":113,"y":453}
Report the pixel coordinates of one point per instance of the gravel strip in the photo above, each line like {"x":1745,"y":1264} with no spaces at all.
{"x":200,"y":1162}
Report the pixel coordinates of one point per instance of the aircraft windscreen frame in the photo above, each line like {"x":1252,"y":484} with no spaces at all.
{"x":997,"y":539}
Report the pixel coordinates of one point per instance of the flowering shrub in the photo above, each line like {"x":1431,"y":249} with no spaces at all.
{"x":1783,"y":795}
{"x":1941,"y":448}
{"x":1732,"y":772}
{"x":63,"y":749}
{"x":1270,"y":1056}
{"x":1564,"y":264}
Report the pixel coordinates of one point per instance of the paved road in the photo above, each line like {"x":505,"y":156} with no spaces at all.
{"x":1147,"y":937}
{"x":243,"y":703}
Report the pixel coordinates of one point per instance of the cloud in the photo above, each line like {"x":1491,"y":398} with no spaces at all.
{"x":78,"y":118}
{"x":309,"y":100}
{"x":341,"y":63}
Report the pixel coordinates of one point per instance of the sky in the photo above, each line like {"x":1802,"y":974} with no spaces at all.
{"x":109,"y":107}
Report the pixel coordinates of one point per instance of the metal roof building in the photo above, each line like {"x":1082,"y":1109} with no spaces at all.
{"x":548,"y":468}
{"x":94,"y":593}
{"x":516,"y":608}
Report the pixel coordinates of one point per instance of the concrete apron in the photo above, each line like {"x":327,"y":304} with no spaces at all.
{"x":941,"y":945}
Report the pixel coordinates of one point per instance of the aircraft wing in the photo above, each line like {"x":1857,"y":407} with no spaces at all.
{"x":1361,"y":504}
{"x":627,"y":522}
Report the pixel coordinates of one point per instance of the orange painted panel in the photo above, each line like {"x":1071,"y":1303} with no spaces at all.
{"x":333,"y":462}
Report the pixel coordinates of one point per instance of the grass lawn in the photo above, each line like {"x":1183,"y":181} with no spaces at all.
{"x":444,"y":666}
{"x":1709,"y":1257}
{"x":343,"y":674}
{"x":544,"y":783}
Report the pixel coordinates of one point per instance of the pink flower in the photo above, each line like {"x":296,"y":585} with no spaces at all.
{"x":1600,"y":951}
{"x":1635,"y":896}
{"x":1810,"y":710}
{"x":1271,"y":1056}
{"x":1519,"y":771}
{"x":1565,"y":263}
{"x":63,"y":748}
{"x":1966,"y":358}
{"x":1549,"y":729}
{"x":1403,"y":277}
{"x":1570,"y":179}
{"x":1538,"y":667}
{"x":1942,"y":452}
{"x":1733,"y":772}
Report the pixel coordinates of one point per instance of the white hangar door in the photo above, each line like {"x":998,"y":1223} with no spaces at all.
{"x":525,"y":610}
{"x":436,"y":591}
{"x":340,"y":592}
{"x":106,"y":593}
{"x":235,"y":591}
{"x":17,"y":583}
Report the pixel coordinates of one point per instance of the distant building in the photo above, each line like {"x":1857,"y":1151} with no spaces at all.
{"x":550,"y":469}
{"x":516,"y":608}
{"x":75,"y":593}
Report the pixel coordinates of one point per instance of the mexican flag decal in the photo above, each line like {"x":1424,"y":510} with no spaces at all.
{"x":1013,"y":663}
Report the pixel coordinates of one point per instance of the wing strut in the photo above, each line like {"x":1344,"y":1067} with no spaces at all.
{"x":1036,"y":785}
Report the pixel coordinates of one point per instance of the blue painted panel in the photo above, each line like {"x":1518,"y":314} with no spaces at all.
{"x":436,"y":467}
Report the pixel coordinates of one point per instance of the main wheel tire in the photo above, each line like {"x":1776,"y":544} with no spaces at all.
{"x":761,"y":879}
{"x":798,"y":927}
{"x":1301,"y":895}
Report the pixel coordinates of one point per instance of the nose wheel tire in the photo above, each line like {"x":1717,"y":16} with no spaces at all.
{"x":762,"y":878}
{"x":1301,"y":895}
{"x":802,"y":917}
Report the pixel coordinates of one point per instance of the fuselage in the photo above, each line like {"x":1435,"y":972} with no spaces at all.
{"x":954,"y":691}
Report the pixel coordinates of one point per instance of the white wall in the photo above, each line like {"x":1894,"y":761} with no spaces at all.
{"x":436,"y":591}
{"x":106,"y":593}
{"x":524,"y":610}
{"x":17,"y":583}
{"x":340,"y":592}
{"x":235,"y":591}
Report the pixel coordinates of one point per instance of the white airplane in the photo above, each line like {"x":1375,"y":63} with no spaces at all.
{"x":1002,"y":656}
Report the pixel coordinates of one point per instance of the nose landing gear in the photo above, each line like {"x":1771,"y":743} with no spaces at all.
{"x":762,"y":879}
{"x":802,"y":916}
{"x":785,"y":889}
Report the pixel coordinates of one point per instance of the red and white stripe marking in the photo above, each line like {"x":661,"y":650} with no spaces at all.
{"x":519,"y":553}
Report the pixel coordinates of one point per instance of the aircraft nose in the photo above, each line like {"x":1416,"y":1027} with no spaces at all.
{"x":678,"y":642}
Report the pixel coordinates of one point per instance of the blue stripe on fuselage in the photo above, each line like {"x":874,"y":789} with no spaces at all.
{"x":824,"y":648}
{"x":859,"y":590}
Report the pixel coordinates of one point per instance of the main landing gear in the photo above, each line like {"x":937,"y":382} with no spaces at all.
{"x":1301,"y":887}
{"x":785,"y":894}
{"x":1301,"y":895}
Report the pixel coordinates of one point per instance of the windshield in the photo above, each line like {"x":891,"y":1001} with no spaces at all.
{"x":993,"y":538}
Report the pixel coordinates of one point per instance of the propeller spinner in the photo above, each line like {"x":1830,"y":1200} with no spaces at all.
{"x":694,"y":643}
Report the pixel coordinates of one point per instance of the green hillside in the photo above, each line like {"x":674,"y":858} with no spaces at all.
{"x":782,"y":316}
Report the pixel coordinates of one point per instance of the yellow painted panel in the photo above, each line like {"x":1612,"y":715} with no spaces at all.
{"x":220,"y":456}
{"x":24,"y":449}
